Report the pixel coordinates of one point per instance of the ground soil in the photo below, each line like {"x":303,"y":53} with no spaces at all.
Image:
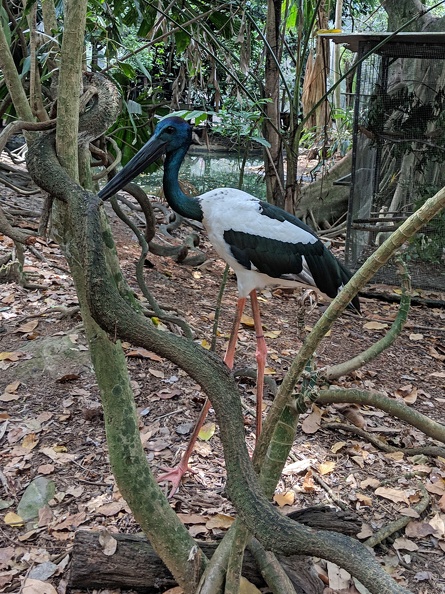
{"x":51,"y":423}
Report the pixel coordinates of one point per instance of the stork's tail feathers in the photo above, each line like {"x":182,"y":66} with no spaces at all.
{"x":345,"y":276}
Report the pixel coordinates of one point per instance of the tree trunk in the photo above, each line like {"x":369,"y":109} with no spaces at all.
{"x":273,"y":161}
{"x":322,"y":201}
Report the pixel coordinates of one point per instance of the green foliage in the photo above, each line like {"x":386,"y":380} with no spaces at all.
{"x":342,"y":131}
{"x":240,"y":120}
{"x":4,"y":24}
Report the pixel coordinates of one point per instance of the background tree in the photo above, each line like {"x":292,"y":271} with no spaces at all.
{"x":324,"y":202}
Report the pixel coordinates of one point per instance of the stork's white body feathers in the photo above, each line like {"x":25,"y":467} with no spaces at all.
{"x":229,"y":209}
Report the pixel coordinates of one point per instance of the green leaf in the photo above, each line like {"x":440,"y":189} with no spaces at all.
{"x":4,"y":24}
{"x":127,"y":69}
{"x":146,"y":24}
{"x":26,"y":65}
{"x":261,"y":140}
{"x":36,"y":495}
{"x":207,"y":431}
{"x":182,"y":41}
{"x":134,"y":107}
{"x":5,"y":503}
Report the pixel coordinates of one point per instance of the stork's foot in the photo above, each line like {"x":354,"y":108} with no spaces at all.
{"x":174,"y":476}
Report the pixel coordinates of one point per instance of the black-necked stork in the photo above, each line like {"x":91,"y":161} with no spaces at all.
{"x":263,"y":244}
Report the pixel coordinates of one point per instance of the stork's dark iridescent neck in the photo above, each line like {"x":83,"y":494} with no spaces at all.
{"x":172,"y":136}
{"x":181,"y":203}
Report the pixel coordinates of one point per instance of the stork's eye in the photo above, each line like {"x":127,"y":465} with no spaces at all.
{"x":170,"y":130}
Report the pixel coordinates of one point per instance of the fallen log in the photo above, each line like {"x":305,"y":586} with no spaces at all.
{"x":136,"y":566}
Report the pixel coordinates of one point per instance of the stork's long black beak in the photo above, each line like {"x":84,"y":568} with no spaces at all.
{"x":151,"y":151}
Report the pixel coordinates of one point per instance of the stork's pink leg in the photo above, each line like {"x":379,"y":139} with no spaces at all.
{"x":174,"y":475}
{"x":230,"y":353}
{"x":261,"y":354}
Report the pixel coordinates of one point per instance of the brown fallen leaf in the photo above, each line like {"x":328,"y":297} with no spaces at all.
{"x":411,"y":397}
{"x":338,"y":446}
{"x":418,"y":530}
{"x":111,"y":509}
{"x":75,"y":491}
{"x":107,"y":542}
{"x":395,"y":495}
{"x":437,"y":522}
{"x":30,"y":441}
{"x":396,"y":456}
{"x":438,"y":488}
{"x":71,"y":522}
{"x":8,"y":397}
{"x":365,"y":532}
{"x":435,"y":354}
{"x":375,"y":326}
{"x":283,"y":499}
{"x":32,"y":586}
{"x":326,"y":467}
{"x":220,"y":521}
{"x":6,"y":577}
{"x":405,"y":544}
{"x":6,"y":554}
{"x":13,"y":387}
{"x":192,"y":518}
{"x":45,"y":516}
{"x":197,"y":529}
{"x":141,"y":352}
{"x":364,"y":499}
{"x":247,"y":321}
{"x":308,"y":482}
{"x":415,"y":336}
{"x":339,"y":579}
{"x":410,"y":512}
{"x":297,"y":467}
{"x":406,"y":392}
{"x":10,"y":392}
{"x":28,"y":326}
{"x":246,"y":587}
{"x":370,"y":482}
{"x":272,"y":334}
{"x":311,"y":423}
{"x":203,"y":448}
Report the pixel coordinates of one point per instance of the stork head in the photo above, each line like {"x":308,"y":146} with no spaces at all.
{"x":171,"y":134}
{"x":174,"y":133}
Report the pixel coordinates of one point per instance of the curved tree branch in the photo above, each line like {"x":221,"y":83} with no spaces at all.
{"x":396,"y":408}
